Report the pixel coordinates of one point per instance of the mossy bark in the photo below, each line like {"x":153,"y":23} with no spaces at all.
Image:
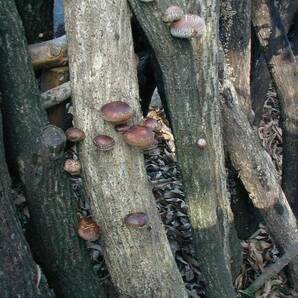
{"x":190,"y":77}
{"x":46,"y":186}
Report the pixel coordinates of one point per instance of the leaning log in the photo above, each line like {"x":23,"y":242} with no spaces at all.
{"x":284,"y":69}
{"x":100,"y":45}
{"x":45,"y":184}
{"x":190,"y":77}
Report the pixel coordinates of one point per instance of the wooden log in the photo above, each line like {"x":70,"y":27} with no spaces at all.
{"x":190,"y":77}
{"x":46,"y":187}
{"x":283,"y":69}
{"x":258,"y":174}
{"x":51,"y":78}
{"x":49,"y":53}
{"x":139,"y":260}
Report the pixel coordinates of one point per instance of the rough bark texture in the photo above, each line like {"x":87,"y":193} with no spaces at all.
{"x":284,"y":70}
{"x":49,"y":53}
{"x":260,"y":78}
{"x":190,"y":82}
{"x":101,"y":51}
{"x":49,"y":201}
{"x":37,"y":18}
{"x":258,"y":175}
{"x":18,"y":272}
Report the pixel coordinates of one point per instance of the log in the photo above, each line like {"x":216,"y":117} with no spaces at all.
{"x":190,"y":77}
{"x":283,"y":69}
{"x":258,"y":174}
{"x":49,"y":53}
{"x":63,"y":260}
{"x":139,"y":260}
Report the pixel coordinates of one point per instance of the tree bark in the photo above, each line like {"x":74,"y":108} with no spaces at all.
{"x":37,"y":18}
{"x":284,"y":69}
{"x":18,"y":272}
{"x":258,"y":175}
{"x":45,"y":185}
{"x":190,"y":77}
{"x":101,"y":51}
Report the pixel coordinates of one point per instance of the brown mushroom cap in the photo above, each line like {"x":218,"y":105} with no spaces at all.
{"x":122,"y":128}
{"x":74,"y":134}
{"x":116,"y":112}
{"x":189,"y":26}
{"x":139,"y":136}
{"x":88,"y":229}
{"x":172,"y":14}
{"x":73,"y":167}
{"x":136,"y":220}
{"x":201,"y":143}
{"x":152,"y":123}
{"x":103,"y":142}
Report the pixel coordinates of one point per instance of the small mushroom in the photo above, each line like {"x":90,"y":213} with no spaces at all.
{"x":136,"y":220}
{"x":73,"y":167}
{"x":139,"y":136}
{"x":152,"y":123}
{"x":122,"y":128}
{"x":172,"y":14}
{"x":201,"y":143}
{"x":88,"y":229}
{"x":189,"y":26}
{"x":74,"y":134}
{"x":104,"y":143}
{"x":116,"y":112}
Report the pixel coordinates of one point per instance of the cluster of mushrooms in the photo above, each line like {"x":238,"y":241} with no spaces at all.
{"x":140,"y":136}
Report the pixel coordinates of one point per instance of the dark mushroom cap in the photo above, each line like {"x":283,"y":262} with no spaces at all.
{"x":74,"y":134}
{"x":116,"y":112}
{"x":172,"y":14}
{"x":73,"y":167}
{"x":103,"y":142}
{"x":122,"y":128}
{"x":189,"y":26}
{"x":152,"y":123}
{"x":201,"y":143}
{"x":136,"y":220}
{"x":139,"y":136}
{"x":88,"y":229}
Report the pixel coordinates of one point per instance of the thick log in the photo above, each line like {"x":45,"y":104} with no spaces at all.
{"x":258,"y":174}
{"x":19,"y":275}
{"x":283,"y":69}
{"x":49,"y":53}
{"x":46,"y":187}
{"x":101,"y":52}
{"x":51,"y":78}
{"x":190,"y":77}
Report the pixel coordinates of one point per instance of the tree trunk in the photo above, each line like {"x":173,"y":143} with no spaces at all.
{"x":194,"y":114}
{"x":102,"y":70}
{"x":284,"y":69}
{"x":18,"y":272}
{"x":37,"y":18}
{"x":51,"y":213}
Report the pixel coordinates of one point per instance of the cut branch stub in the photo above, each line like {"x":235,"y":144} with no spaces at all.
{"x":201,"y":143}
{"x":116,"y":112}
{"x":136,"y":220}
{"x":73,"y":167}
{"x":139,"y":136}
{"x":88,"y":229}
{"x":74,"y":134}
{"x":172,"y":14}
{"x":189,"y":26}
{"x":104,"y":143}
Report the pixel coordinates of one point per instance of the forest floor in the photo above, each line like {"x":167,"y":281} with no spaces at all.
{"x":258,"y":251}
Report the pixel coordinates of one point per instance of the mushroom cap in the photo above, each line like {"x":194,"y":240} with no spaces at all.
{"x":152,"y":123}
{"x":74,"y":134}
{"x":88,"y":229}
{"x":116,"y":112}
{"x":201,"y":143}
{"x":139,"y":136}
{"x":172,"y":14}
{"x":103,"y":142}
{"x":189,"y":26}
{"x":73,"y":167}
{"x":122,"y":128}
{"x":136,"y":220}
